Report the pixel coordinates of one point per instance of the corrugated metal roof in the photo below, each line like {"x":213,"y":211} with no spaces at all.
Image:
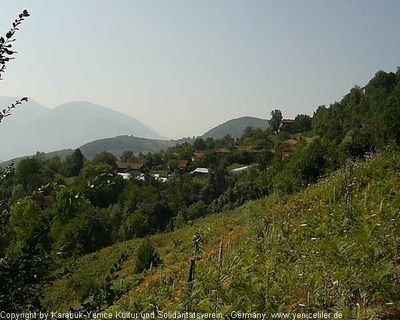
{"x":201,"y":170}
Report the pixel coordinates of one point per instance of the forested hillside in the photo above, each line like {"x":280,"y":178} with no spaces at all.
{"x":331,"y":247}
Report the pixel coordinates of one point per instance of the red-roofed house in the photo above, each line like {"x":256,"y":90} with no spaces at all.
{"x":223,"y":150}
{"x":286,"y":124}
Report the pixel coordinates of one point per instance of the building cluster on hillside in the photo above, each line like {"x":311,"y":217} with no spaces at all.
{"x":196,"y":164}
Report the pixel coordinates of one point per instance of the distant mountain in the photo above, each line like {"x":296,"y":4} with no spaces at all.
{"x":235,"y":127}
{"x":33,"y":127}
{"x":120,"y":144}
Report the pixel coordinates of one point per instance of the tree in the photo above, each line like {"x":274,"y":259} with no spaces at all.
{"x":126,"y":156}
{"x":55,"y":164}
{"x":146,"y":256}
{"x":74,"y":163}
{"x":210,"y":143}
{"x":302,"y":123}
{"x":105,"y":157}
{"x":199,"y":144}
{"x":275,"y":121}
{"x":134,"y":225}
{"x":25,"y":220}
{"x":21,"y":278}
{"x":30,"y":173}
{"x":81,"y":228}
{"x":107,"y":194}
{"x":226,"y":142}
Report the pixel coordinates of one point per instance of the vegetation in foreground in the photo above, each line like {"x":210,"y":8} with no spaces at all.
{"x":332,"y":247}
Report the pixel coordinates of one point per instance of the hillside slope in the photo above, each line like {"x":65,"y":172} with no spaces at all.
{"x":235,"y":127}
{"x":333,"y":247}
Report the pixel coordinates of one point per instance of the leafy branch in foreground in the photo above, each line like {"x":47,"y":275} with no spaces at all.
{"x":6,"y":42}
{"x":5,"y":56}
{"x":7,"y":111}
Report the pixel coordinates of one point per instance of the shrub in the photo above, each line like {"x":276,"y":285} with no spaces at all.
{"x":146,"y":256}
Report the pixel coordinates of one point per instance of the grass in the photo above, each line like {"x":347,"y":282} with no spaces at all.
{"x":313,"y":251}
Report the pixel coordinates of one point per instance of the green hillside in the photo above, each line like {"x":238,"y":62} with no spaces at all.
{"x":235,"y":127}
{"x":333,"y":247}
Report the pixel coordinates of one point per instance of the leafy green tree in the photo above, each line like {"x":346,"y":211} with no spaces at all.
{"x":302,"y":123}
{"x":387,"y":121}
{"x":74,"y":163}
{"x":226,"y":142}
{"x":126,"y":156}
{"x":210,"y":144}
{"x":31,"y":174}
{"x":248,"y":132}
{"x":106,"y":195}
{"x":319,"y":120}
{"x":26,"y":220}
{"x":134,"y":225}
{"x":286,"y":182}
{"x":80,"y":228}
{"x":185,"y":151}
{"x":105,"y":157}
{"x":217,"y":181}
{"x":197,"y":210}
{"x":275,"y":121}
{"x":308,"y":162}
{"x":199,"y":144}
{"x":146,"y":256}
{"x":55,"y":164}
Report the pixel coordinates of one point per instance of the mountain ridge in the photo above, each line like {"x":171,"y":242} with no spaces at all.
{"x":67,"y":126}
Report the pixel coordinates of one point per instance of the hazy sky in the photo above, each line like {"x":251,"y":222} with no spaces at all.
{"x":183,"y":67}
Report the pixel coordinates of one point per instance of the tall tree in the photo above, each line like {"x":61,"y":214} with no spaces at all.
{"x":302,"y":123}
{"x":275,"y":121}
{"x":105,"y":157}
{"x":74,"y":163}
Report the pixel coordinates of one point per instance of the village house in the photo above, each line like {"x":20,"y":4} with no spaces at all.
{"x":181,"y":164}
{"x":123,"y":168}
{"x":197,"y":155}
{"x":286,"y":125}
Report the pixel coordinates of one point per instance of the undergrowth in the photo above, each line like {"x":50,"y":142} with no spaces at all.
{"x":332,"y":247}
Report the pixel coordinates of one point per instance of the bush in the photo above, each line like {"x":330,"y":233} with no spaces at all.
{"x":146,"y":256}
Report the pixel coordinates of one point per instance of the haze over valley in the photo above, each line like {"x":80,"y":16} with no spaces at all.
{"x":70,"y":125}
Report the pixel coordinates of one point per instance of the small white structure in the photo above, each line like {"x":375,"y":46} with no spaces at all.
{"x":239,"y":170}
{"x":124,"y":175}
{"x":201,"y":170}
{"x":158,"y":178}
